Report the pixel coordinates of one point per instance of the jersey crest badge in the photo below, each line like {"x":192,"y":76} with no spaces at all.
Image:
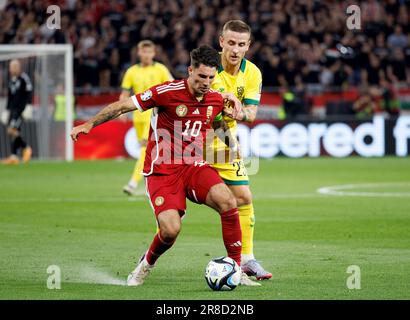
{"x":146,"y":95}
{"x":239,"y":92}
{"x":181,"y":110}
{"x":159,"y":201}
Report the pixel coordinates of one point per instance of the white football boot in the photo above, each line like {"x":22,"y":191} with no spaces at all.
{"x":245,"y":281}
{"x":141,"y":272}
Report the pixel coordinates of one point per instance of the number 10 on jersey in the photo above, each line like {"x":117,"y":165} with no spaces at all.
{"x":193,"y":130}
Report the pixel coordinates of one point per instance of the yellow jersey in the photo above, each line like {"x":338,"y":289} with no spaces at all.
{"x":138,"y":78}
{"x":246,"y":85}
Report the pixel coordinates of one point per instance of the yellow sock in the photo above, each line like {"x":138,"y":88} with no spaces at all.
{"x":137,"y":176}
{"x":247,"y":220}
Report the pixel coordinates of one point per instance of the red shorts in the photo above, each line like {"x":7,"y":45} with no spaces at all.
{"x":170,"y":191}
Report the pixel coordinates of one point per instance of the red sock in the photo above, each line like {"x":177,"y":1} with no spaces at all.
{"x":232,"y":234}
{"x":157,"y":248}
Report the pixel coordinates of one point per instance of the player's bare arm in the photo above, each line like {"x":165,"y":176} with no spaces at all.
{"x":110,"y":112}
{"x":248,"y":113}
{"x":125,"y":94}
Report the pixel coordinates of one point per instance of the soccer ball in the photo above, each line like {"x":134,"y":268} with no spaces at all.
{"x":222,"y":274}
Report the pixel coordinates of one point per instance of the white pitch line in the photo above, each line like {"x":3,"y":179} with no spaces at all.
{"x":286,"y":196}
{"x":338,"y":190}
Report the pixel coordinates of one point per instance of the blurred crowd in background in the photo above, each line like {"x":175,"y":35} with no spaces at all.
{"x":300,"y":45}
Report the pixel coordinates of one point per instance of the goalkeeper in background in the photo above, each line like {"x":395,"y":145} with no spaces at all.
{"x":138,"y":78}
{"x":19,"y":96}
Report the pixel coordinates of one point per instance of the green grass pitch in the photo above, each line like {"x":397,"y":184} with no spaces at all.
{"x":74,"y":215}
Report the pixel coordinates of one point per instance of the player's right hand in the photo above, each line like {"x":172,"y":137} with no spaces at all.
{"x":84,"y":128}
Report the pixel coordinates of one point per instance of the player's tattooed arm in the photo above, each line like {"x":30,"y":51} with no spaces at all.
{"x":110,"y":112}
{"x":248,"y":113}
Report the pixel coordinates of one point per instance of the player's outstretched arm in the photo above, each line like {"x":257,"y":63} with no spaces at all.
{"x":110,"y":112}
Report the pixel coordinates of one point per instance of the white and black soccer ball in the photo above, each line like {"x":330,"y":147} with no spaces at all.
{"x":222,"y":274}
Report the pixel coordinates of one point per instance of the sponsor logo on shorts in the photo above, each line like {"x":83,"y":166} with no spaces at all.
{"x":159,"y":201}
{"x":181,"y":110}
{"x":146,"y":95}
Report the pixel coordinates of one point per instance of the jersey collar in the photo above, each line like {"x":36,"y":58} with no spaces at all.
{"x":241,"y":68}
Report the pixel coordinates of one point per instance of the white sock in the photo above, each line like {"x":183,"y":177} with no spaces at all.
{"x":246,"y":257}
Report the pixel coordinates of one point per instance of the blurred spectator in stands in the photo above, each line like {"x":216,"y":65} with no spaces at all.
{"x":371,"y":11}
{"x":295,"y":103}
{"x":337,"y":75}
{"x":124,"y":46}
{"x":115,"y":69}
{"x":403,"y":19}
{"x":365,"y":106}
{"x":373,"y":73}
{"x":380,"y":48}
{"x":389,"y":102}
{"x":133,"y":58}
{"x":310,"y":67}
{"x":181,"y":62}
{"x":270,"y":64}
{"x":87,"y":69}
{"x":289,"y":74}
{"x":397,"y":39}
{"x":397,"y":72}
{"x":293,"y":40}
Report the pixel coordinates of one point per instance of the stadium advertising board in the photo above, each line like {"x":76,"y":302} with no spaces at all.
{"x":375,"y":137}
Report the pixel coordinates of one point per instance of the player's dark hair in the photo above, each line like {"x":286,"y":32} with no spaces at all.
{"x":236,"y":26}
{"x":205,"y":55}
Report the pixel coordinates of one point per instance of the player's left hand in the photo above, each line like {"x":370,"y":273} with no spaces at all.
{"x":84,"y":128}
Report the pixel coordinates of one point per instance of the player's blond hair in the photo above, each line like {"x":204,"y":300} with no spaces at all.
{"x":236,"y":26}
{"x":145,"y":44}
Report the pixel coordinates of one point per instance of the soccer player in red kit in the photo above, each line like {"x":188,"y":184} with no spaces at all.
{"x":183,"y":113}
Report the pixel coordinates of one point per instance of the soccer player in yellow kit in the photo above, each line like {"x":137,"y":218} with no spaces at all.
{"x":137,"y":79}
{"x":244,"y":79}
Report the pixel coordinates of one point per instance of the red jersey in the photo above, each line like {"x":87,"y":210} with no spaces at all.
{"x":179,"y":124}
